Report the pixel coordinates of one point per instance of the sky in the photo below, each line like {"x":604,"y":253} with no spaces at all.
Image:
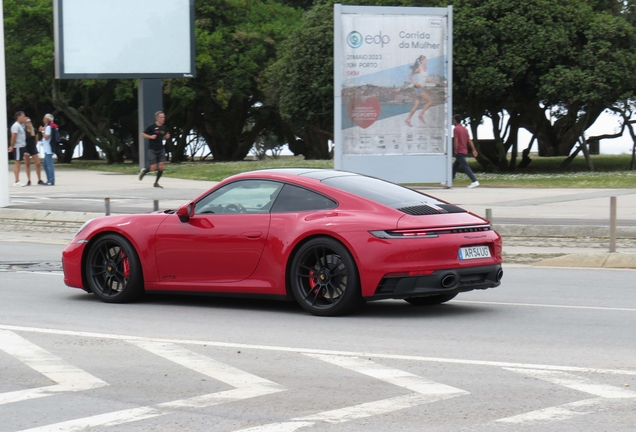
{"x":605,"y":124}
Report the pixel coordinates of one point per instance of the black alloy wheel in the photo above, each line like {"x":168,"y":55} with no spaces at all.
{"x":324,"y":278}
{"x":430,"y":300}
{"x":113,"y":270}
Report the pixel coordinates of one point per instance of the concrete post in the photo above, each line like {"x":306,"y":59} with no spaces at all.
{"x":107,"y":205}
{"x":489,"y":214}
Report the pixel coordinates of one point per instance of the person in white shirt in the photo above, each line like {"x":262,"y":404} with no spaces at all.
{"x":18,"y":143}
{"x":49,"y":169}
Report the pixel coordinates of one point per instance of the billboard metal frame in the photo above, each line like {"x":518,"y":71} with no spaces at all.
{"x":416,"y":168}
{"x":58,"y":27}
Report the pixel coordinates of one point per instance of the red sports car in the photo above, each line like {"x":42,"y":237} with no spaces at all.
{"x":328,"y":239}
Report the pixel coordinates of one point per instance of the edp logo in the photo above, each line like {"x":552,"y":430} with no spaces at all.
{"x":354,"y":39}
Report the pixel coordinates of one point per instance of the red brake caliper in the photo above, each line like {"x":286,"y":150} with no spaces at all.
{"x":126,"y":263}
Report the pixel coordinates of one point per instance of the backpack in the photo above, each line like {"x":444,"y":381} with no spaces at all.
{"x":55,"y":138}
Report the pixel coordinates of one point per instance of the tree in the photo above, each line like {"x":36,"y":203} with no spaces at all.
{"x":236,"y":41}
{"x":306,"y":99}
{"x":95,"y":111}
{"x":573,"y":58}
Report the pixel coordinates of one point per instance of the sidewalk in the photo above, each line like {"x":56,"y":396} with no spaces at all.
{"x":569,"y":226}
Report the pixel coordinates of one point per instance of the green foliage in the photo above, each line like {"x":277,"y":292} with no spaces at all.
{"x":237,"y":41}
{"x":575,"y":57}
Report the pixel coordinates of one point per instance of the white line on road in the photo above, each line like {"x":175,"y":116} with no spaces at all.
{"x":426,"y":391}
{"x":607,"y":397}
{"x":247,"y":386}
{"x":396,"y":377}
{"x":319,"y":351}
{"x":547,"y":306}
{"x":577,"y":383}
{"x":68,"y":377}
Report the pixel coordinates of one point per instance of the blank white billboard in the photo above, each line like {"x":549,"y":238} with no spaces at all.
{"x":124,"y":38}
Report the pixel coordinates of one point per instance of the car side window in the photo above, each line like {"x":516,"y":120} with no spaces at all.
{"x":245,"y":196}
{"x":293,"y":198}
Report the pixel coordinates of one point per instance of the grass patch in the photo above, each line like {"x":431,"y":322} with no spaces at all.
{"x":213,"y":171}
{"x":610,"y":171}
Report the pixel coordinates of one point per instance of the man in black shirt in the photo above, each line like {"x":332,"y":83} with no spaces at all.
{"x":155,"y":134}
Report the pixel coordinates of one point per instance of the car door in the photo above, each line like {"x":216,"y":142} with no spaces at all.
{"x":224,"y":239}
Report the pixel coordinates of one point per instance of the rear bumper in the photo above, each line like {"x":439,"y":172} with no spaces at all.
{"x":450,"y":281}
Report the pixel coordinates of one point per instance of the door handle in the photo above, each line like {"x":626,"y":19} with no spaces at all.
{"x":252,"y":234}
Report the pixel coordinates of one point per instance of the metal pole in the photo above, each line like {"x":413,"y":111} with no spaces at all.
{"x":107,"y":205}
{"x":4,"y":145}
{"x":612,"y":242}
{"x":489,"y":214}
{"x":155,"y":205}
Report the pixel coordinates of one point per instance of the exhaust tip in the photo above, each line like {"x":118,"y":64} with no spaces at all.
{"x":448,"y":280}
{"x":499,"y":275}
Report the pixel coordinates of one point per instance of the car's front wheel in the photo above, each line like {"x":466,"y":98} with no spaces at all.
{"x":430,"y":300}
{"x":324,"y":278}
{"x":113,"y":270}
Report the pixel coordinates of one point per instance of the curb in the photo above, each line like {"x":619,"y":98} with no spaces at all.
{"x":563,"y":231}
{"x":592,"y":260}
{"x":47,"y":215}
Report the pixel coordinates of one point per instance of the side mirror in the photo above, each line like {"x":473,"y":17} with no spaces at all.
{"x":186,"y":211}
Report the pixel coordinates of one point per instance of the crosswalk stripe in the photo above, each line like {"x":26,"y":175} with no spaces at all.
{"x":425,"y":391}
{"x":68,"y":377}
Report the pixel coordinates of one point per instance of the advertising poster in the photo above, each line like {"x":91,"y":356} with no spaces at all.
{"x":394,"y":84}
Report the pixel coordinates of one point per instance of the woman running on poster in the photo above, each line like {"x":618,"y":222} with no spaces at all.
{"x":421,"y":94}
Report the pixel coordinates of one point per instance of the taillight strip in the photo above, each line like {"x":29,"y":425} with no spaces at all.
{"x":426,"y":233}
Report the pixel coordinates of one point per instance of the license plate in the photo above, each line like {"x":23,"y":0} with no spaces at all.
{"x":474,"y":252}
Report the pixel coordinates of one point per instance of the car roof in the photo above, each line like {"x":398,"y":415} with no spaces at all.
{"x":314,"y":173}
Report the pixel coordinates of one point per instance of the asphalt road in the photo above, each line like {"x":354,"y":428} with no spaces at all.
{"x":551,"y":349}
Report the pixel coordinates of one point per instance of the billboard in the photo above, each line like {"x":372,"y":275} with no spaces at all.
{"x":124,"y":39}
{"x":393,"y":81}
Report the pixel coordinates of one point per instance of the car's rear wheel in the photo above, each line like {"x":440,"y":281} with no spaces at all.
{"x":430,"y":300}
{"x":324,"y":278}
{"x":113,"y":270}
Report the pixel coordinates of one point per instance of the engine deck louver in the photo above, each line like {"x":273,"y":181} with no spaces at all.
{"x":421,"y":210}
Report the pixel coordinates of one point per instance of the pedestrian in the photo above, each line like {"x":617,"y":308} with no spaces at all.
{"x":155,"y":134}
{"x":49,"y":169}
{"x":18,"y":143}
{"x":31,"y":151}
{"x":461,"y":142}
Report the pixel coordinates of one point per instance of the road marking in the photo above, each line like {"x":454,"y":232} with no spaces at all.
{"x":68,"y":378}
{"x":607,"y":397}
{"x":52,"y":272}
{"x":396,"y":377}
{"x":246,"y":386}
{"x":425,"y":391}
{"x":578,"y":383}
{"x":318,"y":351}
{"x":547,"y":306}
{"x":560,"y":412}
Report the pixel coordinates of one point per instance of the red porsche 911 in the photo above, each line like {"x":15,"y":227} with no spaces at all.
{"x":328,"y":239}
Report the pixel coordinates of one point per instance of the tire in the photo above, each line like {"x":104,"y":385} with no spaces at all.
{"x":430,"y":300}
{"x":113,"y":270}
{"x":324,"y":278}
